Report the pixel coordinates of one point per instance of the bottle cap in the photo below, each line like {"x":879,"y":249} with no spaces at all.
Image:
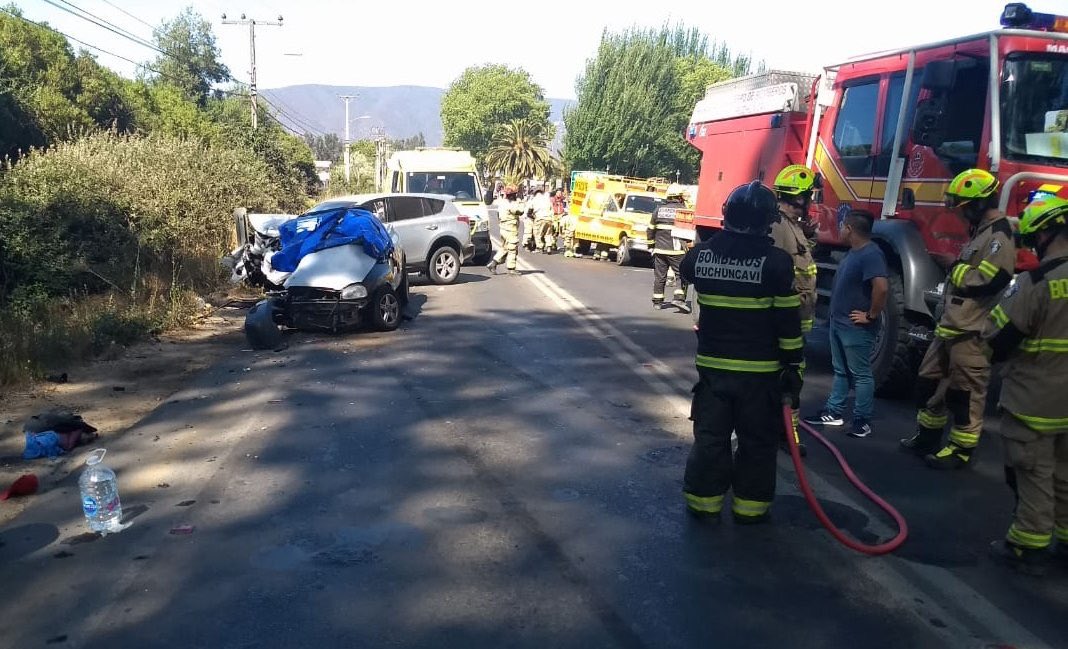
{"x":95,"y":457}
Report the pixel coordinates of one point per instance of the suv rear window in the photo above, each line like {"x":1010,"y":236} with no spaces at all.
{"x":407,"y":207}
{"x":433,"y":205}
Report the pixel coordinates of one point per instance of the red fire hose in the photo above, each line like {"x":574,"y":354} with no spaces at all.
{"x":899,"y":520}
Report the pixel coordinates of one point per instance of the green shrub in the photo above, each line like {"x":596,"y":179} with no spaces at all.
{"x":104,"y":238}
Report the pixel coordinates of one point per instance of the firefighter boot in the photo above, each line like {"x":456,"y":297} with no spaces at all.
{"x":492,"y":266}
{"x":682,"y":305}
{"x":658,"y":303}
{"x":1025,"y":560}
{"x":950,"y":457}
{"x":926,"y":441}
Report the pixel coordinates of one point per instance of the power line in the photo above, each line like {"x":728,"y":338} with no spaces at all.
{"x":108,"y":52}
{"x":293,"y":115}
{"x":112,"y":4}
{"x":294,"y":118}
{"x":100,"y":22}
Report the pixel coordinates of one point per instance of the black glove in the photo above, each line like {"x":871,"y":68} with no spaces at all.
{"x":790,"y":382}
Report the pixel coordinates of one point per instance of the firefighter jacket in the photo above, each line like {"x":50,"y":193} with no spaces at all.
{"x":787,"y":234}
{"x":975,"y":281}
{"x":750,"y":318}
{"x":1029,"y":329}
{"x":660,"y":225}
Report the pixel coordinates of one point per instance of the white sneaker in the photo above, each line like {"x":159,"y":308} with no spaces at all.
{"x":824,"y":418}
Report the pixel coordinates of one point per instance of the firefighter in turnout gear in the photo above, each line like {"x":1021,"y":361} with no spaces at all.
{"x":793,"y":187}
{"x":1029,"y":331}
{"x":748,"y":358}
{"x":953,"y":377}
{"x":513,"y":211}
{"x":664,"y":253}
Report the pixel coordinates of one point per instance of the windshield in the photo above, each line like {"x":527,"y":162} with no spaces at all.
{"x":460,"y":184}
{"x":1034,"y":108}
{"x":642,"y":204}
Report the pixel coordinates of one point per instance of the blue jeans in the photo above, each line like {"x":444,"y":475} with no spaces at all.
{"x":851,"y":359}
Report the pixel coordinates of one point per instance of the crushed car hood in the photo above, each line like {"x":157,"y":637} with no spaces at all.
{"x":332,"y":268}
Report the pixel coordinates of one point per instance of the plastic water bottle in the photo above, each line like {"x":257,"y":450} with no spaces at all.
{"x":100,"y":495}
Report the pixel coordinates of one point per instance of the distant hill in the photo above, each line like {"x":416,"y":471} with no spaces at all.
{"x":403,"y":111}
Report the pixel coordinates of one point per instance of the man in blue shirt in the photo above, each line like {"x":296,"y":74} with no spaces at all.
{"x":857,"y":299}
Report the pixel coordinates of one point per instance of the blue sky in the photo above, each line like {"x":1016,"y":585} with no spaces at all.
{"x":429,"y":43}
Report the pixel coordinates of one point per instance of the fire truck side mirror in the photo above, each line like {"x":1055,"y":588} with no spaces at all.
{"x":929,"y":125}
{"x":938,"y":76}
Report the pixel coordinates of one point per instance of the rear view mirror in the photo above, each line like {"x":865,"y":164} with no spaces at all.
{"x":938,"y":76}
{"x":929,"y":125}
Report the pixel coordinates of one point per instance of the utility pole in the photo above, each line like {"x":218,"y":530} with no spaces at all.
{"x":347,"y":99}
{"x":252,"y":22}
{"x":379,"y":135}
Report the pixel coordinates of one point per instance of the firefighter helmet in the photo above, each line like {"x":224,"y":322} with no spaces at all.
{"x":795,"y":180}
{"x":750,"y":207}
{"x":1042,"y":214}
{"x":971,"y":185}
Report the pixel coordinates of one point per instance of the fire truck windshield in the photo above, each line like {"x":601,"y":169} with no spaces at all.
{"x":1034,"y":108}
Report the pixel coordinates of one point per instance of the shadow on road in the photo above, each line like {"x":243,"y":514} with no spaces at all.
{"x":495,"y":479}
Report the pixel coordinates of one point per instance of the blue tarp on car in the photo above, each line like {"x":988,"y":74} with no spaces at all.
{"x":327,"y":229}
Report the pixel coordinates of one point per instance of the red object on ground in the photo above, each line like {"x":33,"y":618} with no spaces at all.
{"x":853,"y":544}
{"x":23,"y":486}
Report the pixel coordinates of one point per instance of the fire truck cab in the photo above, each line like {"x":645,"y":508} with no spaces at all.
{"x":886,"y":132}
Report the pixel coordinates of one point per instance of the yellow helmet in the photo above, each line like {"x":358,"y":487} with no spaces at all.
{"x":1044,"y":213}
{"x":795,"y":180}
{"x":971,"y":185}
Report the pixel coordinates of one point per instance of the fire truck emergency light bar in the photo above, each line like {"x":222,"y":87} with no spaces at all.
{"x":1017,"y":15}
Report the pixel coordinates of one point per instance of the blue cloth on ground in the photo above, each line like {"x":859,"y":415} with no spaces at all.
{"x":44,"y":444}
{"x":327,"y":229}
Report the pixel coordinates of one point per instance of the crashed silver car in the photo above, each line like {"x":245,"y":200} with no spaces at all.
{"x":325,"y":270}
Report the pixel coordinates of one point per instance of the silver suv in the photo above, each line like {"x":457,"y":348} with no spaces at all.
{"x":436,"y":238}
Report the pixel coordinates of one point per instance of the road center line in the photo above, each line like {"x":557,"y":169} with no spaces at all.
{"x":963,"y":609}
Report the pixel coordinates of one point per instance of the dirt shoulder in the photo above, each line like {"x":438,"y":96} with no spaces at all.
{"x":112,"y":395}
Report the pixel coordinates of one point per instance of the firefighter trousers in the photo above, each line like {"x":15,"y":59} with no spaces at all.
{"x":750,"y":405}
{"x":510,"y":235}
{"x":661,"y":263}
{"x":569,"y":236}
{"x":544,"y":236}
{"x":529,"y":236}
{"x":951,"y":388}
{"x":1036,"y":465}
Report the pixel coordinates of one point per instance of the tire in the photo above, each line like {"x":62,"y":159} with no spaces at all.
{"x":623,"y":251}
{"x":443,"y":267}
{"x":385,"y":309}
{"x":893,"y":361}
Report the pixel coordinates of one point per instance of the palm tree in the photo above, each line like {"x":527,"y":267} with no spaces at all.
{"x":520,"y":150}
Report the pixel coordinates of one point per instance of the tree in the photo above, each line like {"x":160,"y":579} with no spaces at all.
{"x":47,"y":94}
{"x":520,"y":150}
{"x":325,"y":147}
{"x":635,"y":98}
{"x":484,"y":98}
{"x":409,"y":143}
{"x":191,"y":62}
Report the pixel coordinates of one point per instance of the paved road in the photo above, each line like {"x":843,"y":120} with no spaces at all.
{"x":505,"y":470}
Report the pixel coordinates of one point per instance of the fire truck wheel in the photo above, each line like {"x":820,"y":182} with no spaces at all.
{"x":623,"y":251}
{"x":892,"y":359}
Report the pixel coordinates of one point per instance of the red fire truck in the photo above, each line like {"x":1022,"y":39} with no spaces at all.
{"x":886,"y":132}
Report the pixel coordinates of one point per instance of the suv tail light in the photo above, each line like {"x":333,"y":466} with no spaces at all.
{"x":464,"y":219}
